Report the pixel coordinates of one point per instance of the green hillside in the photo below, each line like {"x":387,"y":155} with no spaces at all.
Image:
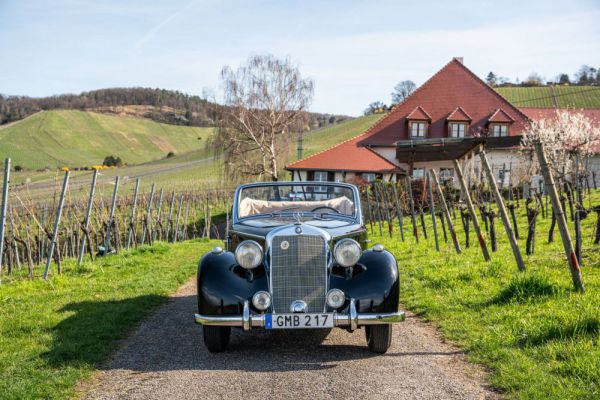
{"x":553,"y":96}
{"x":322,"y":139}
{"x":76,"y":139}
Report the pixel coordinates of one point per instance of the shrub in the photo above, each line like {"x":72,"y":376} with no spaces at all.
{"x":170,"y":154}
{"x":112,"y":161}
{"x":19,"y":168}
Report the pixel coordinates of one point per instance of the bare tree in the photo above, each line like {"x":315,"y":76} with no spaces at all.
{"x":266,"y":99}
{"x":402,"y":90}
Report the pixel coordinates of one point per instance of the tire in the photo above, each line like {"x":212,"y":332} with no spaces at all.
{"x":216,"y":338}
{"x":379,"y":338}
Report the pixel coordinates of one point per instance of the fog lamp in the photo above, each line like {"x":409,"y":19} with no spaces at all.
{"x":261,"y":300}
{"x":335,"y":298}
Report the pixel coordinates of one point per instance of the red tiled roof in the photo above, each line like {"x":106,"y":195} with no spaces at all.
{"x":549,"y":113}
{"x":451,"y":87}
{"x":459,"y":115}
{"x":500,"y":116}
{"x":419,"y":114}
{"x":347,"y":156}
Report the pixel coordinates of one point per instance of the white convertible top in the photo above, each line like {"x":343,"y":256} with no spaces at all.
{"x":249,"y":206}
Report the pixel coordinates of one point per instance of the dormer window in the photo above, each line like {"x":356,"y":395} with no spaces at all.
{"x":418,"y":129}
{"x":499,"y":130}
{"x":457,"y":129}
{"x":418,"y":123}
{"x":499,"y":123}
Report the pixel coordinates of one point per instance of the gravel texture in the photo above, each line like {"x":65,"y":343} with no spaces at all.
{"x":166,"y":359}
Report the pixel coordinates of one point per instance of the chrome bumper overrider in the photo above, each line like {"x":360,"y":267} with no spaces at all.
{"x":351,"y":320}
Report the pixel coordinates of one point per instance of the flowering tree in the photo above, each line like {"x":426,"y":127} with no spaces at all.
{"x":564,"y":136}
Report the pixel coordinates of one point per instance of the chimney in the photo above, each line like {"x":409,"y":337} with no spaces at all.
{"x":459,"y":59}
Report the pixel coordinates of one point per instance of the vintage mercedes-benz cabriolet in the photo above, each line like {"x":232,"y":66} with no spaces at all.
{"x":297,"y":257}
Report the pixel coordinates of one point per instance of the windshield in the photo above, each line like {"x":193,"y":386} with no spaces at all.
{"x":296,"y":200}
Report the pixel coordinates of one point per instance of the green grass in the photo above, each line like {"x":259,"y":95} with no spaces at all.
{"x":76,"y":139}
{"x":322,"y":139}
{"x":55,"y":333}
{"x":536,"y":335}
{"x":549,"y":97}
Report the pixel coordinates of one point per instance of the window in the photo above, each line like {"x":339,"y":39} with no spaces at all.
{"x":417,"y":129}
{"x":320,"y":176}
{"x":369,"y":177}
{"x":418,"y":173}
{"x":446,"y":174}
{"x":499,"y":130}
{"x":457,"y":129}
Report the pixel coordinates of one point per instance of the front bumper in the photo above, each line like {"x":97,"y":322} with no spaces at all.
{"x":352,"y":320}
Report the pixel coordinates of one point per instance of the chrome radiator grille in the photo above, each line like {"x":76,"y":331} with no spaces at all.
{"x":298,"y":272}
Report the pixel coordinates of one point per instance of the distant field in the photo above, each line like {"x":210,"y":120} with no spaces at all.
{"x":186,"y":171}
{"x":72,"y":138}
{"x":549,"y":97}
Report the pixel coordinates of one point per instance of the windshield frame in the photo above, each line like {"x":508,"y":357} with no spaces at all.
{"x":356,"y":218}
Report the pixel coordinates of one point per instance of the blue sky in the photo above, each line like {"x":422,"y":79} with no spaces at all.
{"x":355,"y":51}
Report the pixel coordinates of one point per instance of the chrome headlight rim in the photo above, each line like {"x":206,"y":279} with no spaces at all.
{"x":338,"y":257}
{"x":257,"y":259}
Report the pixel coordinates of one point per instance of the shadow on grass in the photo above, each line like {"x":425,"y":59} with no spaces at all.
{"x":584,"y":327}
{"x":524,"y":288}
{"x":92,"y":332}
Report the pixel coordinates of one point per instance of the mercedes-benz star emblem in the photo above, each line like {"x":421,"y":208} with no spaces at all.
{"x":298,"y":230}
{"x":285,"y":245}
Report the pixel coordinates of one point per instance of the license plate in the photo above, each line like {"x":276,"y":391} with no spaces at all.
{"x":298,"y":321}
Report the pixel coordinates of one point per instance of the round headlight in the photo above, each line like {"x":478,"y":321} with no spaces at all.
{"x":249,"y":254}
{"x":261,"y":300}
{"x":347,"y":252}
{"x":335,"y":298}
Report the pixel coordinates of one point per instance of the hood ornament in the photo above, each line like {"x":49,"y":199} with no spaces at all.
{"x":298,"y":217}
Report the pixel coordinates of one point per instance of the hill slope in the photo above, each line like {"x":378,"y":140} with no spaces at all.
{"x":77,"y":138}
{"x":553,"y":96}
{"x":321,"y":139}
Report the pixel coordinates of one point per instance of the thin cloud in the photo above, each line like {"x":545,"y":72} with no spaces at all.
{"x":148,"y":36}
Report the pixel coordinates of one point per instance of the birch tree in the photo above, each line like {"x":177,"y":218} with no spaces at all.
{"x":266,"y":99}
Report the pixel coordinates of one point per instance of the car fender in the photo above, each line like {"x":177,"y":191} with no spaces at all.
{"x":374,"y":283}
{"x":224,"y":286}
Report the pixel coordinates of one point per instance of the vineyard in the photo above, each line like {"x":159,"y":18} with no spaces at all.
{"x":40,"y":234}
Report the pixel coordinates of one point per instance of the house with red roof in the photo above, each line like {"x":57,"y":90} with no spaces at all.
{"x":417,"y":134}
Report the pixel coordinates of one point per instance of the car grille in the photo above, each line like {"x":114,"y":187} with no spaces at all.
{"x":298,"y":272}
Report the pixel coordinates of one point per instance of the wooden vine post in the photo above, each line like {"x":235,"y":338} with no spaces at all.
{"x":133,"y":214}
{"x":446,"y":211}
{"x":432,"y":210}
{"x":147,"y":216}
{"x":111,"y":217}
{"x":412,"y":210}
{"x":86,"y":222}
{"x":61,"y":204}
{"x":502,"y":209}
{"x":471,"y":209}
{"x":560,"y":219}
{"x":3,"y":209}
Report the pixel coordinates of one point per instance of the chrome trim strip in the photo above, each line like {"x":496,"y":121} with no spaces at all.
{"x":340,"y":320}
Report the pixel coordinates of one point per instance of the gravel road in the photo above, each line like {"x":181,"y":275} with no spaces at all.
{"x":166,"y":359}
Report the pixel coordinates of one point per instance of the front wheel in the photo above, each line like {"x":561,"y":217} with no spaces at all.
{"x":216,"y":338}
{"x":379,"y":337}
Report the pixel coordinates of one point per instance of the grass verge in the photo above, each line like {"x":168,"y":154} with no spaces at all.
{"x":54,"y":333}
{"x":538,"y":337}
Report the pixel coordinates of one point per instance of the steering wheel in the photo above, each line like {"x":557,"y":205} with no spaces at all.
{"x":325,"y":207}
